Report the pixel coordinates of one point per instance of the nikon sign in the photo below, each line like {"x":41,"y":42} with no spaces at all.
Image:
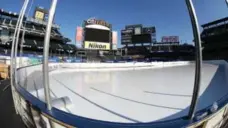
{"x":97,"y":45}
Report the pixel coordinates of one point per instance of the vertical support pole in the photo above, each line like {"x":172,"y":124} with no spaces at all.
{"x":11,"y":58}
{"x":46,"y":54}
{"x":198,"y":58}
{"x":21,"y":46}
{"x":13,"y":46}
{"x":17,"y":39}
{"x":12,"y":73}
{"x":23,"y":36}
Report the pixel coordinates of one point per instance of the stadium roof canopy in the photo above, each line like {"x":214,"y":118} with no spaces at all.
{"x":216,"y":22}
{"x":10,"y":14}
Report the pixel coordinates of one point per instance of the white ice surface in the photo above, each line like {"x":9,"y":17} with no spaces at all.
{"x":136,"y":95}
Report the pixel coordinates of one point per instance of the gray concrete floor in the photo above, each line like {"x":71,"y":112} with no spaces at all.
{"x":8,"y":116}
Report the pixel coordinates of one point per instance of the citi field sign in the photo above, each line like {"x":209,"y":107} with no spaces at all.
{"x":93,"y":21}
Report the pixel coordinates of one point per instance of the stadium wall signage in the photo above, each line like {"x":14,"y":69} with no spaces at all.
{"x":97,"y":45}
{"x":98,"y":22}
{"x":171,"y":39}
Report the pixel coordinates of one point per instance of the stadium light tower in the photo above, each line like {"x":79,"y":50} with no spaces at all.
{"x":198,"y":57}
{"x":46,"y":54}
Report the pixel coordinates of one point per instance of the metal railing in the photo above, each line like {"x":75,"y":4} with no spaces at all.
{"x":46,"y":54}
{"x":198,"y":58}
{"x":13,"y":65}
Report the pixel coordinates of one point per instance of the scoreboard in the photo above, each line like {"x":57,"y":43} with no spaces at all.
{"x":142,"y":38}
{"x":135,"y":34}
{"x":97,"y":35}
{"x":149,"y":30}
{"x":40,"y":14}
{"x":126,"y":36}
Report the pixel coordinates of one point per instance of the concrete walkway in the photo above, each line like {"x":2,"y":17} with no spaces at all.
{"x":8,"y":117}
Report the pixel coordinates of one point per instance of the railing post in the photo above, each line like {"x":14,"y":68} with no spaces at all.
{"x":17,"y":39}
{"x":198,"y":58}
{"x":23,"y":36}
{"x":13,"y":44}
{"x":46,"y":54}
{"x":12,"y":61}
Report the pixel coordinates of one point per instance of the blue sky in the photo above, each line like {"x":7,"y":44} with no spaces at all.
{"x":169,"y":16}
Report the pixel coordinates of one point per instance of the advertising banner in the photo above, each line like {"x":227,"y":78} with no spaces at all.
{"x":114,"y":37}
{"x":79,"y":34}
{"x":96,"y":45}
{"x":170,"y":39}
{"x":114,"y":40}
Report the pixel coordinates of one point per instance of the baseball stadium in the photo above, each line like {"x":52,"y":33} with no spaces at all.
{"x":110,"y":75}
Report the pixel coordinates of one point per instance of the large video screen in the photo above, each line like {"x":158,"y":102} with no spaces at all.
{"x":40,"y":14}
{"x":97,"y":35}
{"x":143,"y":38}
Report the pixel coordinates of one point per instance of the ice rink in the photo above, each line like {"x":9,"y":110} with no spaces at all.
{"x":143,"y":95}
